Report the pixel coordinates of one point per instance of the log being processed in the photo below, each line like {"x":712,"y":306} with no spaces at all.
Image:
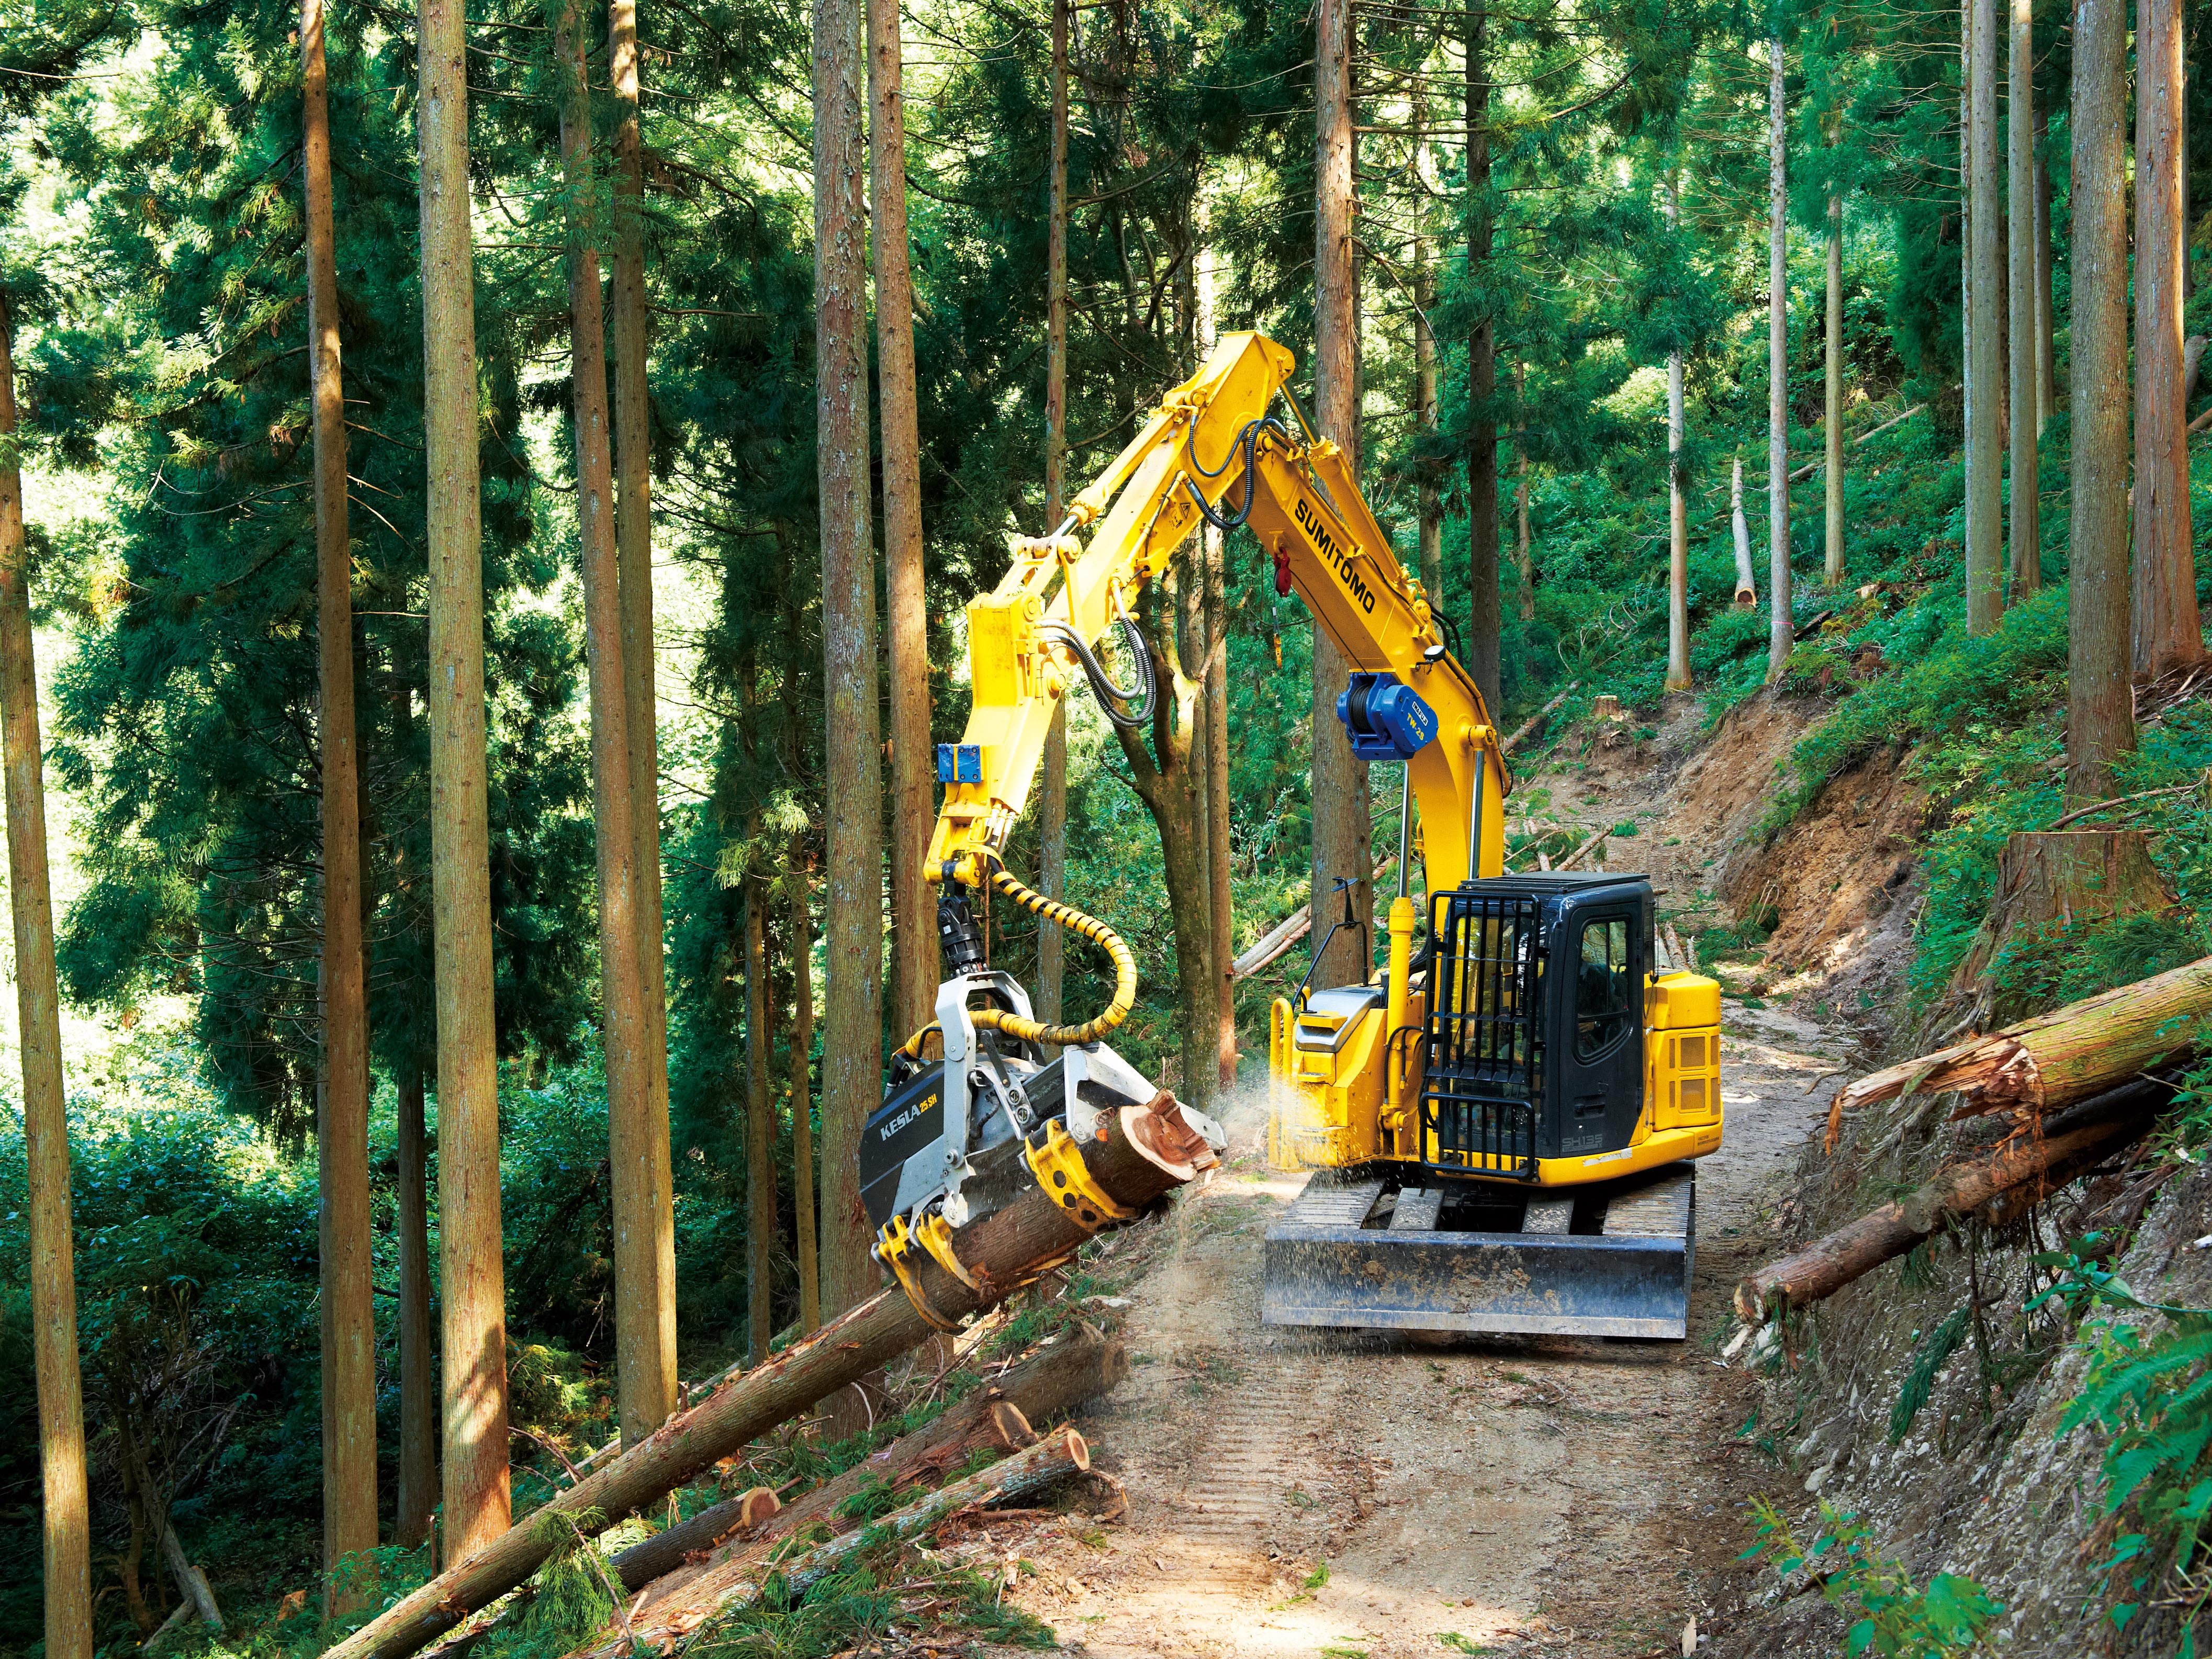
{"x":1135,"y":1154}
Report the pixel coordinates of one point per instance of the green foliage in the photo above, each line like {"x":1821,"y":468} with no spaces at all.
{"x":1951,"y":683}
{"x":570,"y":1597}
{"x":1891,"y":1615}
{"x":1920,"y":1377}
{"x":2147,"y":1392}
{"x":859,"y":1604}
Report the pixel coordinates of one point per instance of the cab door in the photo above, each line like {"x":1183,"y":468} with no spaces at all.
{"x":1598,"y":1036}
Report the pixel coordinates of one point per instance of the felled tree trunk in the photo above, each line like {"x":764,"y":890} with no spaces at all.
{"x":2054,"y":878}
{"x":1053,"y":1459}
{"x":2023,"y":1171}
{"x":1141,"y":1153}
{"x":1070,"y":1370}
{"x":2041,"y":1065}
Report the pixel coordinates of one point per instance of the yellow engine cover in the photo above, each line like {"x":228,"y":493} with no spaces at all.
{"x":1682,"y":1053}
{"x":1328,"y":1077}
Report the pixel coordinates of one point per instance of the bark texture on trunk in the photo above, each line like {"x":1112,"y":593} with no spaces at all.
{"x":1212,"y":568}
{"x":418,"y":1354}
{"x":64,"y":1507}
{"x":1486,"y":603}
{"x":760,"y":1132}
{"x":803,"y":1176}
{"x":643,"y":1211}
{"x":853,"y":1045}
{"x":914,"y":962}
{"x":2037,"y":1066}
{"x":1052,"y":827}
{"x":1781,"y":632}
{"x":633,"y":479}
{"x":2167,"y":633}
{"x":2024,"y":369}
{"x":2099,"y":704}
{"x":1217,"y":851}
{"x":1678,"y":500}
{"x":1832,"y":433}
{"x":472,"y":1279}
{"x":348,"y":1313}
{"x":1428,"y":508}
{"x":2046,"y":316}
{"x":1524,"y":559}
{"x":2039,"y":1163}
{"x":1984,"y":339}
{"x":1143,"y":1153}
{"x":1339,"y":781}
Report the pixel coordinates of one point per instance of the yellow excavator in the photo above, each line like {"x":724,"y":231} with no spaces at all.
{"x":1500,"y":1127}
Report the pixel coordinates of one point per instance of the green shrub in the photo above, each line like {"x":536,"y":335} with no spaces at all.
{"x":2147,"y":1391}
{"x":1895,"y":1618}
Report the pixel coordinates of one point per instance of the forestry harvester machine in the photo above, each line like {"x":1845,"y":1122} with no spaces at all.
{"x":1499,"y":1125}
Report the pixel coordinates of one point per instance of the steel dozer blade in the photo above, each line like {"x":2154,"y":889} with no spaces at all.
{"x":1610,"y":1260}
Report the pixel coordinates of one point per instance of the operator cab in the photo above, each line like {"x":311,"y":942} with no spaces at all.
{"x":1531,"y":1045}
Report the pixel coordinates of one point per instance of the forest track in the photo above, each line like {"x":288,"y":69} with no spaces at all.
{"x":1532,"y":1495}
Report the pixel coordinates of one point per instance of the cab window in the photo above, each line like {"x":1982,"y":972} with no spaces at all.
{"x":1601,"y":987}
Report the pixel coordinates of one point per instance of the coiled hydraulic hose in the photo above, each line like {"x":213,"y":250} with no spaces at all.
{"x":1032,"y":1030}
{"x":1090,"y":927}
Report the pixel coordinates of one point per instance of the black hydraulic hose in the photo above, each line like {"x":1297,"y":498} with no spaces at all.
{"x":1141,"y":697}
{"x":1248,"y":441}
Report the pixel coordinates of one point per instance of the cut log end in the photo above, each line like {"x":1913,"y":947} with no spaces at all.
{"x":1160,"y":1130}
{"x":756,"y":1505}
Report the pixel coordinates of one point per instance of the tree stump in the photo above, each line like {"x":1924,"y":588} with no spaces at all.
{"x":2046,"y":879}
{"x":1606,"y":707}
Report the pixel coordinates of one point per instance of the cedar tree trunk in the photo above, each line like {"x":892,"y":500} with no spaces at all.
{"x":632,"y":411}
{"x":2166,"y":632}
{"x":642,"y":1207}
{"x":472,"y":1279}
{"x":1832,"y":422}
{"x":2024,"y":367}
{"x":64,"y":1510}
{"x":853,"y":1041}
{"x":2099,"y":705}
{"x":1781,"y":634}
{"x":1338,"y":782}
{"x":914,"y":921}
{"x":418,"y":1356}
{"x":348,"y":1313}
{"x":802,"y":1085}
{"x":1984,"y":343}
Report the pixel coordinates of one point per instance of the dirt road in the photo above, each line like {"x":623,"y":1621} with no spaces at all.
{"x":1296,"y":1492}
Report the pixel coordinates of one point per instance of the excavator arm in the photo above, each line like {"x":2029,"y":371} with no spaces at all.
{"x":1211,"y":448}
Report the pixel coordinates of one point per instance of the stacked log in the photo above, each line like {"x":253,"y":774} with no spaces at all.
{"x":2020,"y":1172}
{"x":996,"y":1418}
{"x":1139,"y":1154}
{"x":736,"y":1584}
